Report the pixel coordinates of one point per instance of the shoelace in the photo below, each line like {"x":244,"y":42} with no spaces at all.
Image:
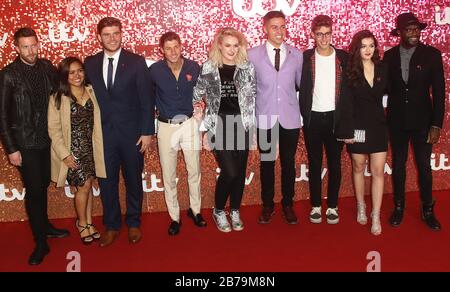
{"x":235,"y":216}
{"x":222,"y":218}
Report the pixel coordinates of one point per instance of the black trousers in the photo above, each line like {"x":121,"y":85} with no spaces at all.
{"x":319,"y":134}
{"x":35,"y":172}
{"x":422,"y":153}
{"x":267,"y":141}
{"x":231,"y":181}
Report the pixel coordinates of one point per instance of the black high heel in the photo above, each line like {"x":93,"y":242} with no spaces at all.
{"x":84,"y":239}
{"x":96,"y":235}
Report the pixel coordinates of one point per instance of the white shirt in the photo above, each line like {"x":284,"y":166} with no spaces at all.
{"x":271,"y":53}
{"x":324,"y":83}
{"x":106,"y":63}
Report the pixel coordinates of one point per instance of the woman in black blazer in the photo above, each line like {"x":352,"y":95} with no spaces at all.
{"x":363,"y":122}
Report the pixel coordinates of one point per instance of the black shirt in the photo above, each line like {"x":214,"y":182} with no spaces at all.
{"x":35,"y":76}
{"x":229,"y":104}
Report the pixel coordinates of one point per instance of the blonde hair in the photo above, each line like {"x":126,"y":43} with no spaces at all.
{"x":215,"y":56}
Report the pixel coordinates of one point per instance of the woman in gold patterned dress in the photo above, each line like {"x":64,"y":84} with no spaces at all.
{"x":74,"y":126}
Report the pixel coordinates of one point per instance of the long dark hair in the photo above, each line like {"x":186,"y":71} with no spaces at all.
{"x":355,"y":70}
{"x":64,"y":86}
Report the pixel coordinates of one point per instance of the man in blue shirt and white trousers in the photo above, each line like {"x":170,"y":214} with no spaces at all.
{"x":174,"y":79}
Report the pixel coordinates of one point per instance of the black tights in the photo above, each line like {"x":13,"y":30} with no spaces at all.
{"x":231,"y":181}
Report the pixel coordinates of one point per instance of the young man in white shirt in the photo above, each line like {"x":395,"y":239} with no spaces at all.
{"x":320,"y":89}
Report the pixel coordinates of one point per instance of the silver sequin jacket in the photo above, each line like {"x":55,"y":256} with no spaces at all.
{"x":208,"y":89}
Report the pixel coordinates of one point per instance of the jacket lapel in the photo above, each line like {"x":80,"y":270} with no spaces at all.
{"x":376,"y":81}
{"x":338,"y":78}
{"x":414,"y":62}
{"x":100,"y":78}
{"x":120,"y":69}
{"x":99,"y":69}
{"x":65,"y":113}
{"x":288,"y":55}
{"x":265,"y":55}
{"x":397,"y":64}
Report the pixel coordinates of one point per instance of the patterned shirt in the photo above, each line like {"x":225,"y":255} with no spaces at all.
{"x":35,"y":77}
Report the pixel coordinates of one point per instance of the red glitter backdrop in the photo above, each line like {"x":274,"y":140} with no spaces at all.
{"x":67,"y":27}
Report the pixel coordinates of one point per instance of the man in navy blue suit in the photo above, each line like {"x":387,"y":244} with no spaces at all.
{"x":122,"y":85}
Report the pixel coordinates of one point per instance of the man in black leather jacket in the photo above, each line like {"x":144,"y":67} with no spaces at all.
{"x":25,"y":87}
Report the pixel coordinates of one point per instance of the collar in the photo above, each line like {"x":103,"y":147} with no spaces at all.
{"x":27,"y":66}
{"x":115,"y":56}
{"x":243,"y":66}
{"x":167,"y":64}
{"x":333,"y":53}
{"x":407,"y":51}
{"x":270,"y":47}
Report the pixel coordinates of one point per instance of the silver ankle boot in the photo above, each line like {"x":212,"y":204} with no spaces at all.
{"x":361,"y":217}
{"x":376,"y":224}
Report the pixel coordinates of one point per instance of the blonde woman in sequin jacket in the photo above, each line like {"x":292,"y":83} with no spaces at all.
{"x":226,"y":89}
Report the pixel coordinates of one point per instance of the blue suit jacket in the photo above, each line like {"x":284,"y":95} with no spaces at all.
{"x":129,"y":106}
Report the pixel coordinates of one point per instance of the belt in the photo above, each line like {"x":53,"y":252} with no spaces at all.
{"x":322,"y":113}
{"x":175,"y":121}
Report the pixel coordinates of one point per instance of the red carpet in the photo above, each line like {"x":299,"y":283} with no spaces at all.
{"x":259,"y":248}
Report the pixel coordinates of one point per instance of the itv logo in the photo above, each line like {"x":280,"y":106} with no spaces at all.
{"x":3,"y":40}
{"x":8,"y":195}
{"x":256,"y":7}
{"x":61,"y":33}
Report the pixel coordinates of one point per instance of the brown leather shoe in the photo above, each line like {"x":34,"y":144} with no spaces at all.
{"x":134,"y":234}
{"x":109,"y":237}
{"x":289,"y":215}
{"x":266,"y":215}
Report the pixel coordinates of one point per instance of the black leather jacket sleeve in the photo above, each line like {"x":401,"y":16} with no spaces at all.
{"x":17,"y":123}
{"x":6,"y":110}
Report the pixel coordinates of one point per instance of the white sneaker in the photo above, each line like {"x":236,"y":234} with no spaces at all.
{"x":220,"y":217}
{"x":332,"y":216}
{"x":316,"y":215}
{"x":236,"y":222}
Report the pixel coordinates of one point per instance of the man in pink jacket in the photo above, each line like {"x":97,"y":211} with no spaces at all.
{"x":278,"y":73}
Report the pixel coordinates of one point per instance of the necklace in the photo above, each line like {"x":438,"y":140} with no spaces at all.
{"x":82,"y":97}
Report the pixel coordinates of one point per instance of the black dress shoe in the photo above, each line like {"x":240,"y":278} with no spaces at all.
{"x":174,"y":228}
{"x":429,"y":218}
{"x":53,"y":232}
{"x":397,"y":215}
{"x":198,"y":219}
{"x":266,"y":215}
{"x":289,"y":215}
{"x":38,"y":255}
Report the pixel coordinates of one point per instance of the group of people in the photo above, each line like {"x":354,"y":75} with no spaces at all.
{"x":55,"y":125}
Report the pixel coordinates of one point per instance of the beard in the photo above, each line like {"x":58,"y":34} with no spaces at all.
{"x":30,"y":59}
{"x":413,"y":41}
